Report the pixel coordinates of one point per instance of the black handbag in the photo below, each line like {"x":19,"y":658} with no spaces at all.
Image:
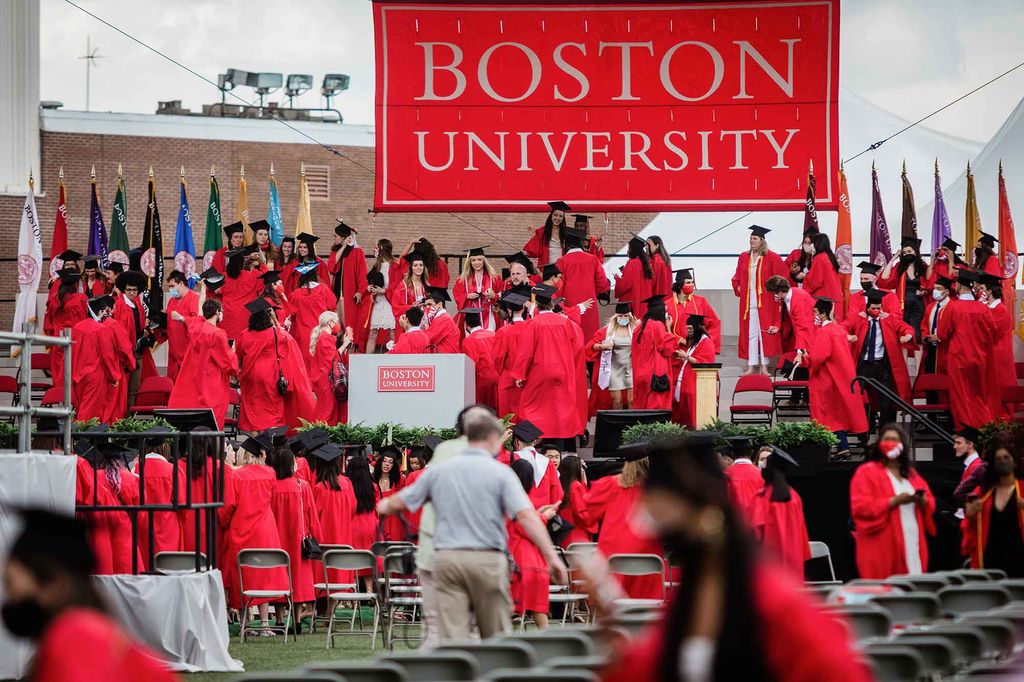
{"x":659,"y":383}
{"x":559,"y":529}
{"x":310,"y":546}
{"x":282,"y":383}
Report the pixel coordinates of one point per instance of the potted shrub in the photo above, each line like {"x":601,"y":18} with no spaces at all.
{"x":808,"y":442}
{"x":651,"y":433}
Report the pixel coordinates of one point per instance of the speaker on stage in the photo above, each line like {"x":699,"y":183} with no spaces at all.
{"x":611,"y":424}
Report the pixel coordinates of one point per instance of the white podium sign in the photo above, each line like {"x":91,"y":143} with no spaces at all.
{"x":414,"y":390}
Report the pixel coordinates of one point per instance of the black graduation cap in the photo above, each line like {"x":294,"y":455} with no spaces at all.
{"x":476,"y":251}
{"x":157,"y":319}
{"x":257,"y":306}
{"x":575,"y":236}
{"x":439,"y":294}
{"x":783,"y":455}
{"x":257,"y":443}
{"x":115,"y":266}
{"x":413,"y":256}
{"x":966,"y":276}
{"x":513,"y":301}
{"x":683,"y":275}
{"x":742,"y":444}
{"x":213,"y":278}
{"x":234,"y":253}
{"x":86,"y":450}
{"x":70,"y":278}
{"x":551,"y":270}
{"x":131,"y":278}
{"x":375,"y":278}
{"x":543,"y":292}
{"x":270,"y":276}
{"x":276,"y":435}
{"x":69,"y":254}
{"x":328,"y":452}
{"x":100,"y":302}
{"x":581,"y":218}
{"x":868,"y":268}
{"x":559,"y":206}
{"x":824,"y":304}
{"x":58,"y":539}
{"x":390,"y":450}
{"x":287,"y":239}
{"x":111,"y":450}
{"x":633,"y":452}
{"x":970,"y":433}
{"x":811,"y":231}
{"x":989,"y":280}
{"x":233,"y":228}
{"x":259,"y":225}
{"x":505,"y":273}
{"x":988,"y":240}
{"x":431,"y":442}
{"x":623,"y":307}
{"x":307,"y":238}
{"x":314,"y":437}
{"x":950,"y":244}
{"x":91,"y":262}
{"x":655,"y":301}
{"x":355,"y":450}
{"x":944,"y":282}
{"x":471,"y":311}
{"x":637,"y":241}
{"x":875,"y":295}
{"x":526,"y":431}
{"x":523,"y":260}
{"x":778,"y":464}
{"x":694,"y":319}
{"x":911,"y":241}
{"x":342,"y":229}
{"x":758,"y":231}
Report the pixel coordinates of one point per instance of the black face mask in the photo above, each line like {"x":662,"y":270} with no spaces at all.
{"x":25,"y":618}
{"x":907,"y":259}
{"x":867,"y":286}
{"x":1004,"y":467}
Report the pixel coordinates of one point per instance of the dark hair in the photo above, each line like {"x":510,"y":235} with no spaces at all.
{"x":636,"y":250}
{"x":570,"y":470}
{"x":656,"y":313}
{"x":327,"y":472}
{"x":202,"y":449}
{"x":698,"y":331}
{"x":414,"y":315}
{"x":1002,"y":440}
{"x":282,"y":461}
{"x":524,"y":472}
{"x":177,"y":276}
{"x":430,"y":258}
{"x":776,"y":284}
{"x":385,"y":253}
{"x":549,"y":227}
{"x":62,"y":291}
{"x":211,"y":308}
{"x":660,"y":251}
{"x":823,"y":245}
{"x":81,"y":593}
{"x":395,"y":475}
{"x":280,"y":258}
{"x":472,"y":320}
{"x":874,"y":454}
{"x":358,"y":472}
{"x":270,"y":293}
{"x":805,"y":258}
{"x":260,"y":321}
{"x":234,"y":266}
{"x":981,"y":255}
{"x":919,"y":265}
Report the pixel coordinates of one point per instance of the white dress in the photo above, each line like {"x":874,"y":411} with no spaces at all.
{"x":908,"y":519}
{"x":381,"y":316}
{"x":755,"y":351}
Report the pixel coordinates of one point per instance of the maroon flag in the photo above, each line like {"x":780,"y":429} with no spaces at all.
{"x":881,"y":245}
{"x":908,"y":225}
{"x":810,"y":210}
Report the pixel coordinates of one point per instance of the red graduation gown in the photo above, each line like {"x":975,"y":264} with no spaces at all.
{"x":327,"y":408}
{"x":576,"y":511}
{"x":412,"y":342}
{"x":110,"y":532}
{"x":307,"y":305}
{"x":177,"y":332}
{"x":833,"y":403}
{"x":1002,"y":331}
{"x":652,"y":353}
{"x":583,"y":278}
{"x":967,"y":540}
{"x":546,"y":363}
{"x":58,"y":318}
{"x":679,"y":310}
{"x":796,"y":327}
{"x":538,"y":248}
{"x":291,"y":278}
{"x":479,"y":347}
{"x":201,"y":491}
{"x":685,"y":411}
{"x":442,"y":334}
{"x":549,"y":490}
{"x":412,"y":519}
{"x":530,"y":584}
{"x":402,"y":297}
{"x":296,"y":517}
{"x":99,"y":355}
{"x":352,"y":268}
{"x":599,"y":398}
{"x":858,"y":304}
{"x":464,"y":288}
{"x":822,"y":279}
{"x":234,"y":295}
{"x":507,"y":345}
{"x":613,"y":506}
{"x":247,"y":522}
{"x":803,"y":643}
{"x":129,"y":316}
{"x":767,"y":309}
{"x":662,"y":276}
{"x":966,"y":329}
{"x":877,"y":527}
{"x":976,"y":530}
{"x":262,"y":407}
{"x":743,"y":481}
{"x":159,"y":486}
{"x":926,"y":330}
{"x":102,"y":652}
{"x":892,"y":329}
{"x":335,"y":509}
{"x":633,"y":285}
{"x":782,"y":529}
{"x":206,"y":370}
{"x":393,"y":529}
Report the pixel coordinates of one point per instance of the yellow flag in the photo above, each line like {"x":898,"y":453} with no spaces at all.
{"x":304,"y":223}
{"x":972,"y":221}
{"x":243,"y":207}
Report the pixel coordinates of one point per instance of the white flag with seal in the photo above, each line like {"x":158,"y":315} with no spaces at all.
{"x":30,"y":264}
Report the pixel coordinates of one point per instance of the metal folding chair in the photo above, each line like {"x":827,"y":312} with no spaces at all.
{"x":179,"y":561}
{"x":265,"y":559}
{"x":636,"y":565}
{"x":492,"y":655}
{"x":820,"y":550}
{"x":400,"y":595}
{"x":352,"y":560}
{"x":453,"y":666}
{"x":959,"y":599}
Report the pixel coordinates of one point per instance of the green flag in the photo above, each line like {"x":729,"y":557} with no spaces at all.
{"x":117,"y":247}
{"x":214,"y":238}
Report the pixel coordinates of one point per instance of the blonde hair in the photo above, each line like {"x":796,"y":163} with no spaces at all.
{"x":467,"y":269}
{"x":764,"y":247}
{"x":612,"y":326}
{"x":327,"y":318}
{"x":633,"y":473}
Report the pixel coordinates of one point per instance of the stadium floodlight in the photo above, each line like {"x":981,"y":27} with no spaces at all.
{"x":297,"y":84}
{"x":228,"y":81}
{"x":332,"y":85}
{"x":264,"y":83}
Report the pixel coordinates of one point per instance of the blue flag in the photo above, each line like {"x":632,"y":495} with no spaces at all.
{"x":274,"y":215}
{"x":184,"y":249}
{"x":97,"y":229}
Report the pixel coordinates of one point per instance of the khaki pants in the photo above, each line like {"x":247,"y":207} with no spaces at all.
{"x":472,"y":581}
{"x":134,"y":381}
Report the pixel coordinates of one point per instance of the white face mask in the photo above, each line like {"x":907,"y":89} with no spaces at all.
{"x":808,"y":248}
{"x":938,"y":295}
{"x":622,"y":322}
{"x":817,"y":322}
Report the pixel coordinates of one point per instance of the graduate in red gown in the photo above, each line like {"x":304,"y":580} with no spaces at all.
{"x":199,"y":484}
{"x":758,"y":310}
{"x":943,"y":262}
{"x":547,"y":242}
{"x":265,"y":352}
{"x":743,"y":478}
{"x":507,"y":345}
{"x":411,"y":285}
{"x":752,"y":620}
{"x":347,"y":266}
{"x":335,"y":504}
{"x":573,"y":479}
{"x":307,"y":303}
{"x":87,"y":494}
{"x":682,"y":301}
{"x":986,"y":259}
{"x":888,"y":511}
{"x":100,"y":354}
{"x":388,"y":480}
{"x":235,"y":233}
{"x":305,"y":253}
{"x":436,"y":270}
{"x":545,"y":366}
{"x":967,"y":331}
{"x":583,"y":279}
{"x":156,"y":478}
{"x":296,"y":516}
{"x":241,"y":285}
{"x":832,"y":402}
{"x":206,"y":370}
{"x":130,"y":312}
{"x":51,"y":600}
{"x":94,"y":283}
{"x":479,"y":286}
{"x":546,"y":489}
{"x":413,"y":340}
{"x":778,"y":515}
{"x":654,"y":346}
{"x":530,"y":587}
{"x":993,"y":526}
{"x":443,"y":335}
{"x":613,"y":503}
{"x":274,"y":294}
{"x":364,"y":519}
{"x":182,"y":306}
{"x":698,"y":348}
{"x":636,"y":282}
{"x":822,"y":278}
{"x":661,"y":262}
{"x":868,"y":281}
{"x":99,"y":482}
{"x":64,"y":311}
{"x":934,"y":352}
{"x":479,"y":347}
{"x":796,"y":324}
{"x":990,"y":292}
{"x":327,"y":349}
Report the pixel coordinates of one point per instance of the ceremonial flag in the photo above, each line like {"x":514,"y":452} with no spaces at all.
{"x":59,"y":243}
{"x":243,"y":207}
{"x":118,"y":248}
{"x":881,"y":246}
{"x":972,"y":219}
{"x":908,"y":225}
{"x":97,"y":229}
{"x":184,"y":249}
{"x":274,"y":212}
{"x":30,"y":265}
{"x":153,"y":251}
{"x":844,"y":239}
{"x":1008,"y":252}
{"x":941,"y":229}
{"x":213,"y":239}
{"x":304,"y":223}
{"x":810,"y":210}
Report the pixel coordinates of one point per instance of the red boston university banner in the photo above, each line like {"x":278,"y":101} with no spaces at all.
{"x":717,"y":105}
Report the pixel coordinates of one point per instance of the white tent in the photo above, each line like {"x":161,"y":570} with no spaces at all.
{"x":860,"y":125}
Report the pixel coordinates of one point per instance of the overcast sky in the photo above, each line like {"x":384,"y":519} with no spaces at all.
{"x":907,"y":56}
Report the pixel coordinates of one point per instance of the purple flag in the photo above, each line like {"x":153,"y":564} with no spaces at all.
{"x":97,"y":229}
{"x":941,"y":229}
{"x":881,"y":246}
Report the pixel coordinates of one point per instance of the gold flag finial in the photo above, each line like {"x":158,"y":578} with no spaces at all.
{"x":31,"y":180}
{"x":968,"y":166}
{"x":241,"y":173}
{"x":936,"y":165}
{"x":150,"y":170}
{"x":60,"y":173}
{"x":271,"y":169}
{"x":213,"y":172}
{"x":872,"y":165}
{"x":120,"y":173}
{"x":1000,"y":167}
{"x":182,"y":172}
{"x":841,"y":165}
{"x":92,"y":173}
{"x":302,"y":169}
{"x":904,"y":166}
{"x":810,"y":166}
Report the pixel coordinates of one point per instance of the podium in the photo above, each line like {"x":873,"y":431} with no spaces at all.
{"x":707,"y":392}
{"x":412,"y":390}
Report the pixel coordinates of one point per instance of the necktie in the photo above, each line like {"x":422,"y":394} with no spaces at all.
{"x":935,"y":318}
{"x":872,"y":337}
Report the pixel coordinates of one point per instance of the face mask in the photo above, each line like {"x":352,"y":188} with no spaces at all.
{"x":622,"y":322}
{"x":982,"y":296}
{"x":175,"y":293}
{"x":808,"y":248}
{"x":867,"y":286}
{"x":817,"y":322}
{"x":335,"y":328}
{"x":874,"y":312}
{"x":1004,"y":467}
{"x":689,"y":289}
{"x":907,"y":259}
{"x":892,"y":449}
{"x":938,"y":295}
{"x":25,"y":618}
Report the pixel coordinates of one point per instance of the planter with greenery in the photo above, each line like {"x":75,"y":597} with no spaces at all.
{"x":806,"y":441}
{"x":379,"y":435}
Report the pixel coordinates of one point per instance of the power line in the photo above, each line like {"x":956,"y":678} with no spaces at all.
{"x":271,"y":115}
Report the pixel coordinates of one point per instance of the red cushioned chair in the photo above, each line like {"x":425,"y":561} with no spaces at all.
{"x":231,"y":421}
{"x":938,"y":386}
{"x":789,"y":395}
{"x":154,"y":392}
{"x":53,"y":396}
{"x":753,"y":412}
{"x":9,"y":387}
{"x":1019,"y":369}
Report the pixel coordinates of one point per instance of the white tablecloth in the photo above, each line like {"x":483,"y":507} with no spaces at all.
{"x":183,"y":617}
